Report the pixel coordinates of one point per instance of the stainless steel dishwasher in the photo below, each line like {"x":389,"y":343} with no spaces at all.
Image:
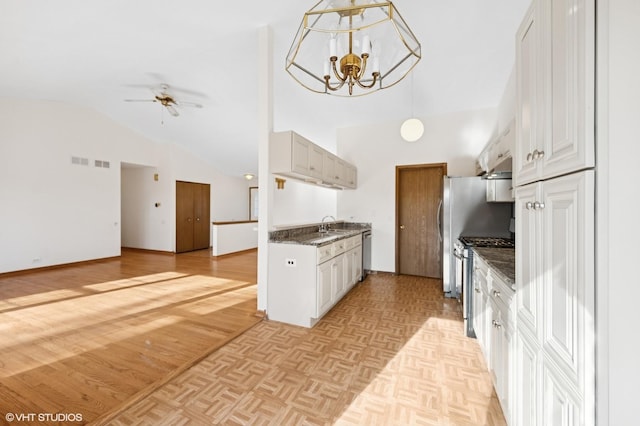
{"x":366,"y":253}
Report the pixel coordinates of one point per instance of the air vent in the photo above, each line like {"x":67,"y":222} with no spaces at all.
{"x":102,"y":163}
{"x":80,"y":161}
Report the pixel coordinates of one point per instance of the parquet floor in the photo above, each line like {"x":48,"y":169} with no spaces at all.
{"x":93,"y":338}
{"x":392,"y":352}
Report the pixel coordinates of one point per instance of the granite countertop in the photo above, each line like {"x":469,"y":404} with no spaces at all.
{"x":309,"y":235}
{"x":501,"y":260}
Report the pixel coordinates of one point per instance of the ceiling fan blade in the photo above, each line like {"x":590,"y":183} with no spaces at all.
{"x":172,"y":110}
{"x":140,"y":100}
{"x":188,"y":104}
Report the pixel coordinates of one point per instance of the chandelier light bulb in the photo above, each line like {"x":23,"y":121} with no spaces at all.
{"x":412,"y":130}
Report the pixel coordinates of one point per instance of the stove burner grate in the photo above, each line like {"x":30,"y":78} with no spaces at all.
{"x":487,"y":242}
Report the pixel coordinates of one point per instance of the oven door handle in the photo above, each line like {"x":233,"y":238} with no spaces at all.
{"x":438,"y":221}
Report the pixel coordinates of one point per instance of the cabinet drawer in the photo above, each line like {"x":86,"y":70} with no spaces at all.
{"x":339,"y":247}
{"x":325,"y":253}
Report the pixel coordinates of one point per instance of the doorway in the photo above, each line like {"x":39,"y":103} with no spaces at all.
{"x":418,"y":200}
{"x":193,"y":228}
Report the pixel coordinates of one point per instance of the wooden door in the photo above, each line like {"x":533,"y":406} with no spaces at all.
{"x":192,"y":216}
{"x":419,"y":191}
{"x":184,"y":216}
{"x":201,"y":227}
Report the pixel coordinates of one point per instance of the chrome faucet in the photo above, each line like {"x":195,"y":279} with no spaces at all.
{"x":324,"y":227}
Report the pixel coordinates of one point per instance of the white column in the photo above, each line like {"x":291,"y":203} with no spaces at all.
{"x":265,"y":127}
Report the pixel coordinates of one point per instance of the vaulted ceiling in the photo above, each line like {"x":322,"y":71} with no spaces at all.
{"x":97,"y":53}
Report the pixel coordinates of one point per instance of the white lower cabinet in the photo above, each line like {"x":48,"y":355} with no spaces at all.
{"x":306,"y":281}
{"x":493,"y":322}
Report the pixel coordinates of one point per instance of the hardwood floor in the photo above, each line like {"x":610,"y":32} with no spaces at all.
{"x":93,"y":338}
{"x":139,"y":341}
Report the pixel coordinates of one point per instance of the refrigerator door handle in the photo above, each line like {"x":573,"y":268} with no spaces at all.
{"x":438,"y":221}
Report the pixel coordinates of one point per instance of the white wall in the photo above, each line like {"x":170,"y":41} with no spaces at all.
{"x":53,"y":212}
{"x":455,"y":139}
{"x":301,"y":203}
{"x":617,"y":230}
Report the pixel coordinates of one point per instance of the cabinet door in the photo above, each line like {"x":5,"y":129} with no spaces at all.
{"x":528,"y":98}
{"x":348,"y":270}
{"x":501,"y":354}
{"x":560,"y":406}
{"x":300,"y":151}
{"x":569,"y":67}
{"x":526,"y":403}
{"x":478,"y":311}
{"x":340,"y":172}
{"x":324,"y":290}
{"x":316,"y":158}
{"x":329,"y":168}
{"x":568,"y":271}
{"x":495,"y":335}
{"x":344,"y":283}
{"x":352,"y":176}
{"x":337,"y":278}
{"x":356,"y":255}
{"x":528,"y":246}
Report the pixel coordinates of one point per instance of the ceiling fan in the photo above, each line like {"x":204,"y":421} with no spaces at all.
{"x":161,"y":95}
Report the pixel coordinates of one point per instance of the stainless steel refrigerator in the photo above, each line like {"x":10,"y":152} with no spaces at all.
{"x":465,"y":211}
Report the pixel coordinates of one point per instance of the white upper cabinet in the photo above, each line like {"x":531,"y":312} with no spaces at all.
{"x":555,"y":90}
{"x":294,"y":156}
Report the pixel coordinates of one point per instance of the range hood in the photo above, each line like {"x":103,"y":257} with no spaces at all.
{"x":501,"y":170}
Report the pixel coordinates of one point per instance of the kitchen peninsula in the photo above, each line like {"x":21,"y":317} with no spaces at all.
{"x":311,"y":268}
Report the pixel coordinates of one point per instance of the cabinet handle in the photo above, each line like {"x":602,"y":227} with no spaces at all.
{"x":529,"y":157}
{"x":312,"y":168}
{"x":538,"y":206}
{"x":537,"y":155}
{"x":197,"y":219}
{"x":529,"y":205}
{"x":477,"y":290}
{"x":497,"y":324}
{"x":401,"y":226}
{"x":500,"y":155}
{"x":496,"y":293}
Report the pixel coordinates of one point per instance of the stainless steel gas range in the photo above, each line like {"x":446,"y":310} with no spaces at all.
{"x":462,"y":250}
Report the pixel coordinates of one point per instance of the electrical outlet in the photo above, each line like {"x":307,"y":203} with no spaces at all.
{"x":291,"y":263}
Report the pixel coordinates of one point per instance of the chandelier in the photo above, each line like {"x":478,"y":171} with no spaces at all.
{"x":358,"y":45}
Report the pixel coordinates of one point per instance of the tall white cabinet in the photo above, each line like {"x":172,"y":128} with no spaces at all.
{"x":554,"y":363}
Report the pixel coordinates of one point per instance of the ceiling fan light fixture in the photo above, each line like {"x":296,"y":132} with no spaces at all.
{"x":161,"y":95}
{"x":352,"y":48}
